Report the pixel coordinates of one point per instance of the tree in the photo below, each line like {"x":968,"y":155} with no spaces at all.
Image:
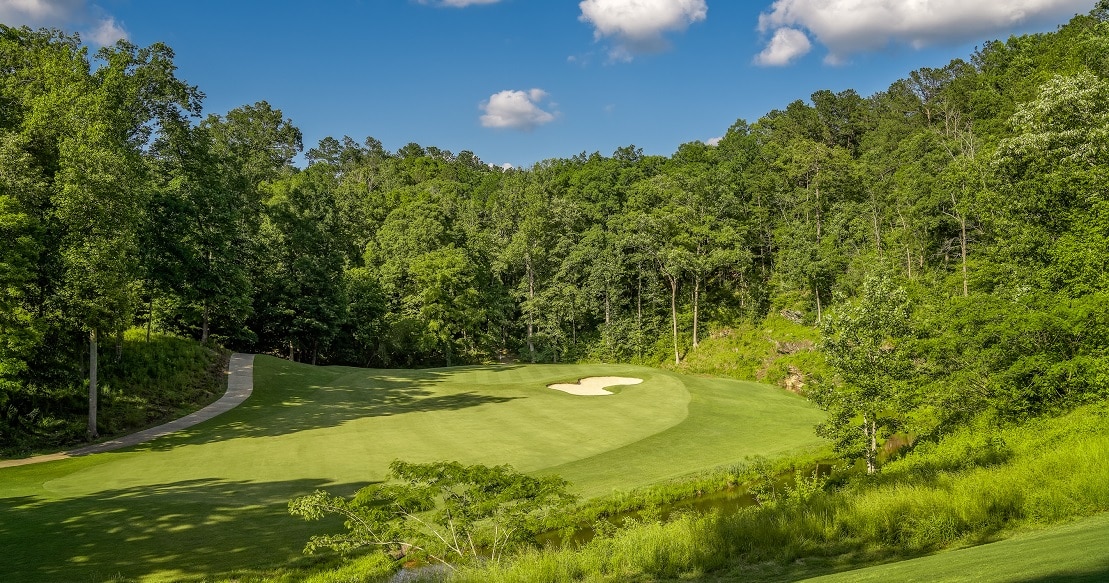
{"x":99,"y":197}
{"x":443,"y":299}
{"x":444,"y":510}
{"x":864,"y":345}
{"x":19,"y":231}
{"x":301,"y":303}
{"x":1053,"y":170}
{"x":194,"y":242}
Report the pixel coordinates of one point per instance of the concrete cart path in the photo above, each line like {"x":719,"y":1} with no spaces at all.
{"x":240,"y":383}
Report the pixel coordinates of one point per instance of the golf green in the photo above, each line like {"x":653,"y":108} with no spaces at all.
{"x":213,"y":497}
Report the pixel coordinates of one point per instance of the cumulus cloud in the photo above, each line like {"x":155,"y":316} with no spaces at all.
{"x":457,"y":3}
{"x":639,"y":26}
{"x":787,"y":45}
{"x":90,"y":20}
{"x":518,"y":110}
{"x":107,"y":32}
{"x":714,"y":141}
{"x":848,"y":27}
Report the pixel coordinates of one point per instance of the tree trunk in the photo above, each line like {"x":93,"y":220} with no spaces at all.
{"x":204,"y":328}
{"x":908,"y":247}
{"x":608,"y":309}
{"x":877,"y":231}
{"x":870,"y":431}
{"x":819,"y":306}
{"x":150,"y":319}
{"x":92,"y":433}
{"x":639,"y":298}
{"x":292,"y":355}
{"x":963,"y":248}
{"x":674,"y":316}
{"x":531,"y":298}
{"x":817,"y":189}
{"x":696,"y":297}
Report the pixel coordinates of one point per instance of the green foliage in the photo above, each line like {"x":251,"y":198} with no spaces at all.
{"x":443,"y":510}
{"x":864,"y":344}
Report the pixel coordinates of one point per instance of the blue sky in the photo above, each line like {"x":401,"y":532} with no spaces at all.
{"x":519,"y":81}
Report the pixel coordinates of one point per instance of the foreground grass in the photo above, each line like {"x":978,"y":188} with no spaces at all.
{"x":213,"y":498}
{"x":973,"y":487}
{"x":1074,"y":553}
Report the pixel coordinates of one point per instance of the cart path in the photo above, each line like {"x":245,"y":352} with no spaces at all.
{"x":240,"y":383}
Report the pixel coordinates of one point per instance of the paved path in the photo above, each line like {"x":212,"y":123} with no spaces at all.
{"x":240,"y":383}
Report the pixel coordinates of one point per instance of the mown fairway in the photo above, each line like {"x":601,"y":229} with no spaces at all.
{"x":214,"y":497}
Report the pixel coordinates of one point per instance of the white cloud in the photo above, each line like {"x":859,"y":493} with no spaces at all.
{"x":714,"y":141}
{"x":38,"y":12}
{"x":518,"y":110}
{"x":849,"y":27}
{"x":90,"y":20}
{"x":638,"y":26}
{"x":458,"y":3}
{"x":107,"y":32}
{"x":788,"y":44}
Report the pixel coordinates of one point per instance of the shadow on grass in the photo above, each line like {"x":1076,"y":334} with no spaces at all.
{"x":305,"y":400}
{"x":1095,"y":576}
{"x":188,"y":529}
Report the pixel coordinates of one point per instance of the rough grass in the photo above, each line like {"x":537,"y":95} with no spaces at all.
{"x":214,"y":498}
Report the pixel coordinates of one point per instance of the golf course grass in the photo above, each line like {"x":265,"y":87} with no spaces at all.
{"x":213,"y":497}
{"x":1074,"y":553}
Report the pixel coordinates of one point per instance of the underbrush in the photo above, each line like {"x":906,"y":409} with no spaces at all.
{"x":141,"y":383}
{"x":757,"y":477}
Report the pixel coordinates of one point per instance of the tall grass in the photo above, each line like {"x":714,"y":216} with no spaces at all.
{"x":971,"y":487}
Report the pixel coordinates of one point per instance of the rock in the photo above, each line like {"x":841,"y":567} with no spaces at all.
{"x":793,"y":316}
{"x":795,"y":382}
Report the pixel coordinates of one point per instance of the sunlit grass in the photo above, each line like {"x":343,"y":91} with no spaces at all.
{"x":213,"y":498}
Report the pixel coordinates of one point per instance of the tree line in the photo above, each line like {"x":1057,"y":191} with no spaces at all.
{"x":976,"y":188}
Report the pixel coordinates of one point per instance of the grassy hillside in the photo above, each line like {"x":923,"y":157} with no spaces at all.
{"x":142,"y":383}
{"x":213,"y":498}
{"x":776,"y":351}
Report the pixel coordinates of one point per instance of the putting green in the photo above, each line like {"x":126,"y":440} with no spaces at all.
{"x":213,"y":497}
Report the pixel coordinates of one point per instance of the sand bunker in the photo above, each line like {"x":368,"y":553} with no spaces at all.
{"x":594,"y":386}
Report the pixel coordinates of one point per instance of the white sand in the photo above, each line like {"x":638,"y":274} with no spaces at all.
{"x":594,"y":386}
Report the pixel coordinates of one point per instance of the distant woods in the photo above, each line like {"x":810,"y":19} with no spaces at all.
{"x":977,"y":187}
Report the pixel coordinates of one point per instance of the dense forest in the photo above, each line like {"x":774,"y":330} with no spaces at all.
{"x":967,"y":205}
